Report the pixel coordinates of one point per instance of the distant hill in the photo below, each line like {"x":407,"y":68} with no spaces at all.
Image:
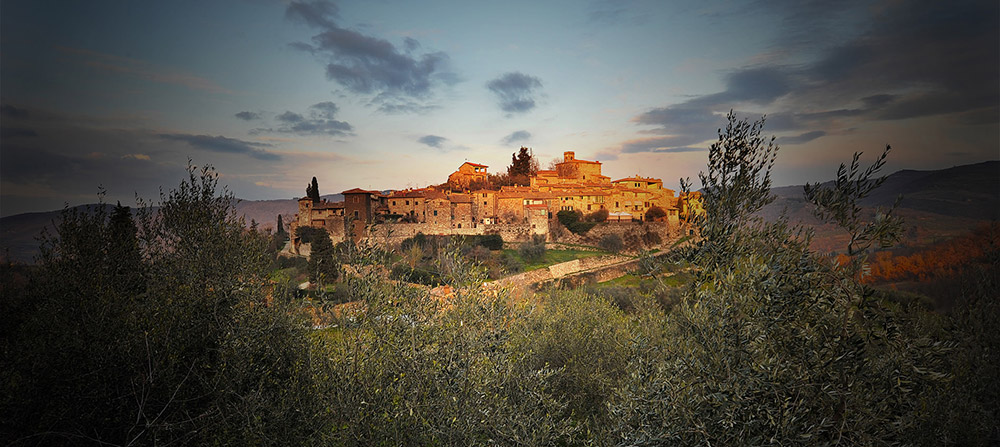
{"x":936,"y":205}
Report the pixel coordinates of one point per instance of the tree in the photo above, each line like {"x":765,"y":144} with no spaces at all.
{"x":772,"y":338}
{"x":281,"y":226}
{"x":612,"y":243}
{"x":312,"y":191}
{"x":533,"y":250}
{"x":523,"y":166}
{"x":655,"y":213}
{"x":174,"y":346}
{"x":323,"y":268}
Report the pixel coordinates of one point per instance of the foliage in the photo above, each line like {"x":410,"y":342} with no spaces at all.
{"x":611,"y":242}
{"x":312,"y":191}
{"x":600,"y":215}
{"x":491,"y":241}
{"x":655,"y":213}
{"x":523,"y":166}
{"x":308,"y":235}
{"x":324,"y":266}
{"x":175,"y":348}
{"x":772,"y":344}
{"x":573,"y":221}
{"x":533,"y":250}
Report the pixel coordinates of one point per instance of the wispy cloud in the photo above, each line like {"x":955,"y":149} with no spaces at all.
{"x":367,"y":64}
{"x":224,"y":144}
{"x":432,"y":141}
{"x":318,"y":120}
{"x":883,"y":73}
{"x":143,"y":70}
{"x":248,"y":116}
{"x":515,"y":91}
{"x":517,"y":136}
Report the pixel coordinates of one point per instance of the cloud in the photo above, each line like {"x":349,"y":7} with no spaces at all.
{"x":515,"y":91}
{"x":224,"y":144}
{"x":16,"y":132}
{"x":143,"y":70}
{"x":248,"y":116}
{"x":516,"y":136}
{"x":660,"y":144}
{"x":137,"y":156}
{"x":909,"y":60}
{"x":12,"y":112}
{"x":802,"y":138}
{"x":319,"y":120}
{"x":432,"y":140}
{"x":367,"y":64}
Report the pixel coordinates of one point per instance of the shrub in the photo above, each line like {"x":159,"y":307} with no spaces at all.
{"x":655,"y":213}
{"x":307,"y":235}
{"x":491,"y":241}
{"x":611,"y":242}
{"x":534,"y":250}
{"x":163,"y":341}
{"x":600,"y":215}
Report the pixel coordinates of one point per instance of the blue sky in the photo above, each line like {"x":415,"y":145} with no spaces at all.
{"x":393,"y":94}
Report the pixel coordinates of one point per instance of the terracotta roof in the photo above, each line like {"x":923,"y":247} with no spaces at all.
{"x":581,"y":161}
{"x":638,"y":179}
{"x":475,"y":164}
{"x":413,"y":193}
{"x":361,"y":191}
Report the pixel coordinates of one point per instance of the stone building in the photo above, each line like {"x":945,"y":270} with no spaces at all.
{"x":468,"y":174}
{"x":513,"y":211}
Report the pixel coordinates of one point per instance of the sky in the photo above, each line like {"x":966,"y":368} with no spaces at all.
{"x":121,"y":97}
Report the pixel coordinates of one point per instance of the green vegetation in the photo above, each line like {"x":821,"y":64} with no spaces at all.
{"x":574,"y":221}
{"x":551,"y":257}
{"x":173,"y":339}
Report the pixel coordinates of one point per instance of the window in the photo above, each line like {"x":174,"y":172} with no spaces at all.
{"x":484,"y":195}
{"x":407,"y":202}
{"x":616,"y":204}
{"x":484,"y":202}
{"x":355,"y":213}
{"x":459,"y":225}
{"x":435,"y":212}
{"x":588,"y":207}
{"x":393,"y":203}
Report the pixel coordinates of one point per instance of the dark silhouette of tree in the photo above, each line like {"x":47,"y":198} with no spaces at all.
{"x":322,"y":262}
{"x":654,"y":213}
{"x":523,"y":166}
{"x":281,"y":226}
{"x":312,"y":191}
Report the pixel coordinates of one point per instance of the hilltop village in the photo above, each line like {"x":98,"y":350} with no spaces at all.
{"x":466,"y":205}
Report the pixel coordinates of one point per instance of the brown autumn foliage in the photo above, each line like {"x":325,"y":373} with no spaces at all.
{"x":940,"y":260}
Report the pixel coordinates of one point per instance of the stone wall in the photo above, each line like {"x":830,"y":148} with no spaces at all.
{"x":632,"y":234}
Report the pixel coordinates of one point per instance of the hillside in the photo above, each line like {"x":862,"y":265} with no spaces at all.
{"x":936,"y":205}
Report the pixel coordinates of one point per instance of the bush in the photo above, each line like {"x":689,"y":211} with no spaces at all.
{"x":510,"y":263}
{"x":534,"y":250}
{"x":600,"y":215}
{"x":655,"y":213}
{"x":162,"y":341}
{"x":491,"y":241}
{"x":611,"y":242}
{"x":308,"y":235}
